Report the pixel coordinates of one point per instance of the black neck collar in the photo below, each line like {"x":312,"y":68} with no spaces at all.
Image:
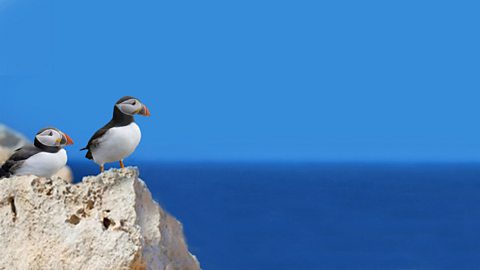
{"x":46,"y":148}
{"x":121,"y":119}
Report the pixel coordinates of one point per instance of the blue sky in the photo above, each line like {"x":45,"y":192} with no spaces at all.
{"x":251,"y":80}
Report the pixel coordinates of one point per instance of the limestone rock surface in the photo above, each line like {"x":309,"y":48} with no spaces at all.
{"x":109,"y":221}
{"x":11,"y":140}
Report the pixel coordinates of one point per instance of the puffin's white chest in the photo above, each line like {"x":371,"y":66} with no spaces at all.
{"x":43,"y":164}
{"x":117,"y":143}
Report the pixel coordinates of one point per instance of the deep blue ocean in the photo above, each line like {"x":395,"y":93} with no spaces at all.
{"x":322,"y":216}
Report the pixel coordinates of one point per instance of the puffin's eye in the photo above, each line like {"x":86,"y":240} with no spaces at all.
{"x":50,"y":134}
{"x":134,"y":103}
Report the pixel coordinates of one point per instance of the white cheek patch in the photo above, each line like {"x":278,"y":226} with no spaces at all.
{"x":123,"y":108}
{"x":46,"y":140}
{"x":128,"y":108}
{"x":137,"y":107}
{"x":50,"y":140}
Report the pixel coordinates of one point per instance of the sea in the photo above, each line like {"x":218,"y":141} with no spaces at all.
{"x":295,"y":216}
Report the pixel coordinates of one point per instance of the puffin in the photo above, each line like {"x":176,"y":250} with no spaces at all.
{"x":120,"y":137}
{"x":44,"y":158}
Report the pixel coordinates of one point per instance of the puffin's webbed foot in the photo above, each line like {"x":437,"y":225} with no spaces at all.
{"x":121,"y":164}
{"x":102,"y":168}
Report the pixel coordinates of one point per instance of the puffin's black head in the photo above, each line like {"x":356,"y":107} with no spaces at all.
{"x":52,"y":137}
{"x":131,"y":106}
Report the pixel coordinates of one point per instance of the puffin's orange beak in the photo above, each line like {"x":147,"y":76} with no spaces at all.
{"x":69,"y":140}
{"x":144,"y":111}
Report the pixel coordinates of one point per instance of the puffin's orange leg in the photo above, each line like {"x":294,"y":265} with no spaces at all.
{"x":102,"y":168}
{"x":121,"y":164}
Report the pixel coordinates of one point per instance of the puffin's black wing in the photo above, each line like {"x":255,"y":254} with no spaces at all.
{"x":93,"y":142}
{"x":16,"y":160}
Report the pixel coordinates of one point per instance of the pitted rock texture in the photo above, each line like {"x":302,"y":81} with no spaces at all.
{"x":11,"y":140}
{"x":109,"y":221}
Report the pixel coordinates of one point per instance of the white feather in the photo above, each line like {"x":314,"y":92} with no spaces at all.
{"x":117,"y":143}
{"x":43,"y":164}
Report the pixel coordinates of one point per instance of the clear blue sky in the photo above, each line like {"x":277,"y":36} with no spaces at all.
{"x":251,"y":80}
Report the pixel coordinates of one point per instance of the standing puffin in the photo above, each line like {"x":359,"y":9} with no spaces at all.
{"x":119,"y":137}
{"x":44,"y":158}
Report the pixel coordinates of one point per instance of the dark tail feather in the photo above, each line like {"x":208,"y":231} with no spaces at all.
{"x":89,"y":153}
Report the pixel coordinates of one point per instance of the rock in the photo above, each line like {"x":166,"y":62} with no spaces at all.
{"x":11,"y":140}
{"x":4,"y":154}
{"x":109,"y":221}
